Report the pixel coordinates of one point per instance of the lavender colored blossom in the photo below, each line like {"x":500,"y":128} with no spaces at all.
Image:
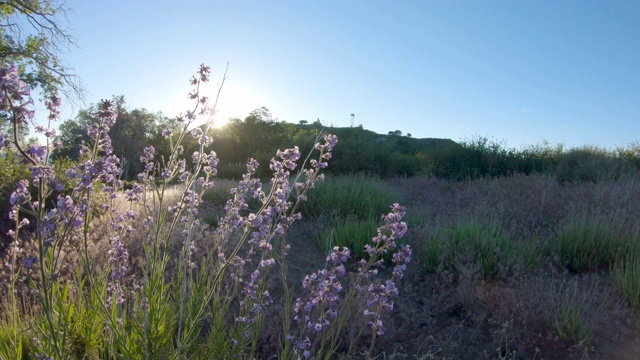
{"x":118,"y":257}
{"x":107,"y":113}
{"x":12,"y":88}
{"x":53,"y":103}
{"x":37,"y":152}
{"x":324,"y":289}
{"x":21,"y":195}
{"x":42,"y":172}
{"x":29,"y":261}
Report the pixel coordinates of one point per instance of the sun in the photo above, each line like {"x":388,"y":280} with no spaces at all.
{"x":235,"y":102}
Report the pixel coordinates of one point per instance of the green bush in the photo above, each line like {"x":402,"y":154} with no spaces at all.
{"x":626,"y":273}
{"x":211,"y":218}
{"x":229,"y":170}
{"x":571,"y":324}
{"x":351,"y":234}
{"x":587,"y":242}
{"x":592,"y":164}
{"x":469,"y":240}
{"x":357,"y":197}
{"x":217,"y":195}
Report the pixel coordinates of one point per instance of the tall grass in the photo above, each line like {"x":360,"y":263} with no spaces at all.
{"x":360,"y":197}
{"x":471,"y":241}
{"x":626,"y":272}
{"x":349,"y":233}
{"x":587,"y":242}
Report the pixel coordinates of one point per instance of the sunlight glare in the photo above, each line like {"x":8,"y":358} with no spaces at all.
{"x":235,"y":102}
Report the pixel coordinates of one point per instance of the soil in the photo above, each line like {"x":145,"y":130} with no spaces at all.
{"x":442,"y":316}
{"x":462,"y":316}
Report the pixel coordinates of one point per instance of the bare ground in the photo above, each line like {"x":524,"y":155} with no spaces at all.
{"x":461,"y":316}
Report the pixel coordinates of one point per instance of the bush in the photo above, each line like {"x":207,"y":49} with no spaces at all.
{"x":586,"y":242}
{"x":591,"y":164}
{"x":471,"y":241}
{"x":626,"y":273}
{"x":355,"y":197}
{"x":219,"y":194}
{"x":12,"y":171}
{"x":350,"y":234}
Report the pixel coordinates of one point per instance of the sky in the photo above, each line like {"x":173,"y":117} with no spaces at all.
{"x":518,"y":72}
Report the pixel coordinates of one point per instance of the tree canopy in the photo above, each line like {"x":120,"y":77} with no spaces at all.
{"x":31,"y":36}
{"x":132,"y":132}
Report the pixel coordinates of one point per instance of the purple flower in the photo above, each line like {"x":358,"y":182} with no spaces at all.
{"x":21,"y":194}
{"x":53,"y":103}
{"x":14,"y":89}
{"x":37,"y":152}
{"x":29,"y":261}
{"x":107,"y":113}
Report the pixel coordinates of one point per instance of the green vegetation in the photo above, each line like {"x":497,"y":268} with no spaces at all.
{"x":351,"y":234}
{"x":133,"y":131}
{"x":220,"y":193}
{"x":585,"y":243}
{"x":356,"y":197}
{"x":470,"y":242}
{"x":626,"y":273}
{"x":571,"y":324}
{"x":259,"y":135}
{"x":33,"y":36}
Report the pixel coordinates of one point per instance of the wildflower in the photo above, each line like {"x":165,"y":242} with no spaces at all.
{"x":21,"y":194}
{"x":53,"y":103}
{"x":29,"y":261}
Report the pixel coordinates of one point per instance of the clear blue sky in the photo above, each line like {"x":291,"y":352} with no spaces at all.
{"x":519,"y":71}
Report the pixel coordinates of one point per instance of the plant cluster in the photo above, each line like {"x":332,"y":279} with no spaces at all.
{"x":173,"y":302}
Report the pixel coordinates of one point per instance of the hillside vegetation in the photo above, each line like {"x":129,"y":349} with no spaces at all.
{"x":385,"y":155}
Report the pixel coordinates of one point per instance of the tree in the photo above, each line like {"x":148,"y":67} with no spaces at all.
{"x":32,"y":38}
{"x":132,"y":132}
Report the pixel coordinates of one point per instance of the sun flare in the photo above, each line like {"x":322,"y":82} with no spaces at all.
{"x":235,"y":102}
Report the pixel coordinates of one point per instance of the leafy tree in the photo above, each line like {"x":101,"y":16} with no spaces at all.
{"x":258,"y":136}
{"x":31,"y":37}
{"x":132,"y":132}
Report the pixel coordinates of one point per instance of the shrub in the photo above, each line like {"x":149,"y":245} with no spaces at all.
{"x":626,"y":273}
{"x":592,"y":164}
{"x":350,"y":234}
{"x":586,"y":242}
{"x":469,"y":240}
{"x":358,"y":197}
{"x":13,"y":170}
{"x":571,"y":323}
{"x":219,"y":194}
